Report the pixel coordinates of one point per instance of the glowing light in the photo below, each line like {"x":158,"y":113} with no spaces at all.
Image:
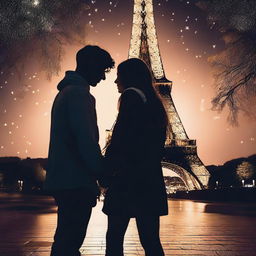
{"x":135,"y":43}
{"x":202,"y":107}
{"x":36,"y":2}
{"x":245,"y":171}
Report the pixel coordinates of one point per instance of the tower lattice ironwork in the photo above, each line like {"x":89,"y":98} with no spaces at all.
{"x":180,"y":151}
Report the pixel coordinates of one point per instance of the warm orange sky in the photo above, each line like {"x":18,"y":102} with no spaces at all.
{"x":25,"y":118}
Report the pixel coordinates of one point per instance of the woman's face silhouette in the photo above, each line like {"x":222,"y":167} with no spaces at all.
{"x":119,"y":83}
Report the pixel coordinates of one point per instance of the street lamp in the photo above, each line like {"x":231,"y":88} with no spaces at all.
{"x":20,"y":183}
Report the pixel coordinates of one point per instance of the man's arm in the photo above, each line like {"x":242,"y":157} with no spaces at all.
{"x":80,"y":121}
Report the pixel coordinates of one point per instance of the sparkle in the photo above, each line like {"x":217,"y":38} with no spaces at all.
{"x":36,"y":2}
{"x":202,"y":107}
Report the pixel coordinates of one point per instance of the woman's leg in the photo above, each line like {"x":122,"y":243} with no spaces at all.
{"x":148,"y":228}
{"x":117,"y":226}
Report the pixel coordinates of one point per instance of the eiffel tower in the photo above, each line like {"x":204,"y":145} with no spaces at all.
{"x":180,"y":151}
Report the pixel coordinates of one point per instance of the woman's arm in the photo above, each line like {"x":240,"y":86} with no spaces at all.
{"x":126,"y":142}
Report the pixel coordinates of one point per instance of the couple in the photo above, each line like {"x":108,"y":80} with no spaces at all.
{"x":131,"y":169}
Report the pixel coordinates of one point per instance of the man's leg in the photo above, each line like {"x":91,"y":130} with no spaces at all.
{"x":117,"y":226}
{"x":74,"y":211}
{"x":148,"y":228}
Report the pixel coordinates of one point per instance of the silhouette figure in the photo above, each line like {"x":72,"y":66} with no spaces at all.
{"x":75,"y":159}
{"x":135,"y":185}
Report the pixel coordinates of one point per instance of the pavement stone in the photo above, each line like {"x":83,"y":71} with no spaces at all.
{"x":192,"y":228}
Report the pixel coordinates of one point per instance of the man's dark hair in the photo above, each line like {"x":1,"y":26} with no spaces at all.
{"x":92,"y":56}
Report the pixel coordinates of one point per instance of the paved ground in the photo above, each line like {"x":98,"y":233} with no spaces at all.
{"x":191,"y":229}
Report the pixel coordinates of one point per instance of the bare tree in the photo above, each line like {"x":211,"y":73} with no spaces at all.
{"x":38,"y":29}
{"x":234,"y":68}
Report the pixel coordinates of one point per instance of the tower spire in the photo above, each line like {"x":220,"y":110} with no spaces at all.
{"x":143,"y":42}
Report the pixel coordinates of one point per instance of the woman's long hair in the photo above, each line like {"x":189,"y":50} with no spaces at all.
{"x":135,"y":73}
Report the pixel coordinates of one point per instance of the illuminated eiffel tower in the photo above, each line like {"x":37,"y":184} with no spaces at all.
{"x":180,"y":151}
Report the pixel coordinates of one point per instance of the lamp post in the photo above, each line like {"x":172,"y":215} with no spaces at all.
{"x":20,"y":183}
{"x":242,"y":183}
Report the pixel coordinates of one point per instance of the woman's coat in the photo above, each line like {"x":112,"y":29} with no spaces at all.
{"x":134,"y":155}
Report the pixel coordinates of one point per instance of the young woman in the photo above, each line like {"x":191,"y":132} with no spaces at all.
{"x":136,"y":187}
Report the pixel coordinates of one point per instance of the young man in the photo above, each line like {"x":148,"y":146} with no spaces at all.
{"x":75,"y":160}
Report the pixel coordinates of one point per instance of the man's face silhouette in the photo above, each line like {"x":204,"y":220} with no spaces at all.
{"x":97,"y":76}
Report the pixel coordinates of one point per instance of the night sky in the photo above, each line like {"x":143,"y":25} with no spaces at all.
{"x":186,"y":41}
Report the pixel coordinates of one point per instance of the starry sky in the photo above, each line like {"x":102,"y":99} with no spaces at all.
{"x":186,"y":41}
